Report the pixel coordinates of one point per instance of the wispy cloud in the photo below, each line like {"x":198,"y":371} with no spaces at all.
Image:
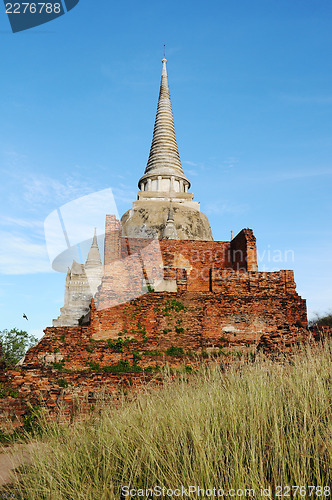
{"x":191,"y":163}
{"x":221,"y":208}
{"x":23,"y":186}
{"x":23,"y":249}
{"x":13,"y":159}
{"x":191,"y":172}
{"x":286,"y":175}
{"x":195,"y":165}
{"x":25,"y":223}
{"x":40,"y":189}
{"x":22,"y":254}
{"x":212,"y":163}
{"x":230,"y":162}
{"x":301,"y":174}
{"x":124,"y":194}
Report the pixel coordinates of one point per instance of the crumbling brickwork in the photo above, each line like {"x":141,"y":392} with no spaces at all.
{"x":62,"y":394}
{"x":161,"y":302}
{"x":243,"y":251}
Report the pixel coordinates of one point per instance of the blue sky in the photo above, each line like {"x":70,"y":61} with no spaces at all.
{"x":251,"y":89}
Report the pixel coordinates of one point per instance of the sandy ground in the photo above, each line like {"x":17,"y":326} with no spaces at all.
{"x":11,"y":458}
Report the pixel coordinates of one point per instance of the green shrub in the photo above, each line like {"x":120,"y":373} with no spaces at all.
{"x":116,"y":346}
{"x":62,"y":383}
{"x":152,"y":353}
{"x":173,"y":305}
{"x":321,"y":320}
{"x":15,"y":343}
{"x":136,"y":357}
{"x":122,"y":366}
{"x":7,"y":392}
{"x":94,"y":366}
{"x":59,"y":365}
{"x":175,"y":351}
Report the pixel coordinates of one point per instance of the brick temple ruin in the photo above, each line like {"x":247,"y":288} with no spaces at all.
{"x":167,"y":294}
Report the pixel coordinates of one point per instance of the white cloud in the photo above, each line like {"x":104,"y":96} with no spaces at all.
{"x":15,"y":221}
{"x":23,"y":249}
{"x":13,"y":159}
{"x":124,"y":194}
{"x":191,"y":163}
{"x":221,"y":208}
{"x":191,"y":172}
{"x":21,"y":254}
{"x":40,"y":190}
{"x":194,"y":165}
{"x":301,"y":174}
{"x":230,"y":162}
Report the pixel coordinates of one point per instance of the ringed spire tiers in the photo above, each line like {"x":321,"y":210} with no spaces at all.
{"x":164,"y":171}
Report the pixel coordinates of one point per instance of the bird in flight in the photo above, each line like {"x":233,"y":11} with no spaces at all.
{"x":25,"y":317}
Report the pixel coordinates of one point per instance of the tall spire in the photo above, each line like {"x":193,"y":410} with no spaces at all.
{"x":93,"y":258}
{"x":164,"y":162}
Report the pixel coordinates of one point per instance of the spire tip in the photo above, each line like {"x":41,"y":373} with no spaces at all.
{"x":164,"y":61}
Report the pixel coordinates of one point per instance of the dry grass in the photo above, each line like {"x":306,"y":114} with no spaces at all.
{"x":265,"y":425}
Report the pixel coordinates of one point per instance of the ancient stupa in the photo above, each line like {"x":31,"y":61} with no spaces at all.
{"x":166,"y":301}
{"x":164,"y":188}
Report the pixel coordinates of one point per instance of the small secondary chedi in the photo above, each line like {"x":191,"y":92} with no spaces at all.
{"x":167,"y":292}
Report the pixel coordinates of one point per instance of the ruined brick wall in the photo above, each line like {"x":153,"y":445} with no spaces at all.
{"x":242,"y":312}
{"x":250,"y":304}
{"x":167,"y":265}
{"x":195,"y":258}
{"x":219,"y":277}
{"x":62,"y":395}
{"x":240,"y":253}
{"x":61,"y":343}
{"x":243,"y":251}
{"x":237,"y":307}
